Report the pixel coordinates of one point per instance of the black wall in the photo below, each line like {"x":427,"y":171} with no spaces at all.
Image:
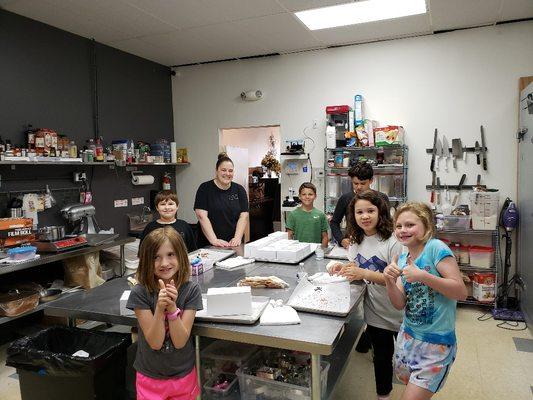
{"x":47,"y":79}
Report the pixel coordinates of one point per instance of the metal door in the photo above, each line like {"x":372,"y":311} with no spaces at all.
{"x":525,"y":201}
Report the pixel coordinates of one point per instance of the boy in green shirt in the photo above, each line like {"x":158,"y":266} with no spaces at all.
{"x":306,"y":223}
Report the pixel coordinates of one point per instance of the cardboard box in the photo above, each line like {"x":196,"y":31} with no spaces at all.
{"x":233,"y":300}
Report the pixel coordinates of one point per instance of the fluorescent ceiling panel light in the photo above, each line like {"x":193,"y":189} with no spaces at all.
{"x":360,"y":12}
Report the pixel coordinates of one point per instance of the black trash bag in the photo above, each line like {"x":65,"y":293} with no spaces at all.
{"x":50,"y":351}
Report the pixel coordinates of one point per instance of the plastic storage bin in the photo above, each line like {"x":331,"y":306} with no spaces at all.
{"x":224,"y":356}
{"x":485,"y":207}
{"x":481,"y":256}
{"x":22,"y":253}
{"x":457,"y":222}
{"x":48,"y":371}
{"x":217,"y":393}
{"x":253,"y":387}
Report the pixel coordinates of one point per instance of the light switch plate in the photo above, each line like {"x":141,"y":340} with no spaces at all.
{"x":121,"y":203}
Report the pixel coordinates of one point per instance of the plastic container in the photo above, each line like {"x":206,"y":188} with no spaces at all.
{"x":481,"y":256}
{"x":254,"y":387}
{"x":22,"y":253}
{"x":484,"y":287}
{"x":213,"y":392}
{"x":48,"y":371}
{"x":224,"y":356}
{"x":464,"y":255}
{"x":485,"y":207}
{"x":457,"y":222}
{"x":18,"y":302}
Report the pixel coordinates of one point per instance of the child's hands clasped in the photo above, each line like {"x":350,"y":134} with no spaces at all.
{"x":392,"y":272}
{"x":168,"y":294}
{"x":335,"y":268}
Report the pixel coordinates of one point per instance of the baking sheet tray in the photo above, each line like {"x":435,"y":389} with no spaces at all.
{"x":259,"y":304}
{"x":213,"y":255}
{"x":356,"y":293}
{"x":337,"y":253}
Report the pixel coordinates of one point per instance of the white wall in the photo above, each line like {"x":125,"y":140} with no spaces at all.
{"x":256,"y":140}
{"x":454,"y":82}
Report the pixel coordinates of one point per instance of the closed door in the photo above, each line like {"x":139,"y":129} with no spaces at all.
{"x":525,"y":201}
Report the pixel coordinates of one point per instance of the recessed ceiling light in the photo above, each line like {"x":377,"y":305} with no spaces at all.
{"x":360,"y":12}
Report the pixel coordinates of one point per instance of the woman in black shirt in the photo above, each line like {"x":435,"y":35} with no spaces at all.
{"x":221,"y":206}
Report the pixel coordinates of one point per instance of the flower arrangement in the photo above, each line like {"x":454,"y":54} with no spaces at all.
{"x":270,"y":162}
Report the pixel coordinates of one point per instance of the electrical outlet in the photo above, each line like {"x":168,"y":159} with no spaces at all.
{"x":315,"y":124}
{"x":79,"y":176}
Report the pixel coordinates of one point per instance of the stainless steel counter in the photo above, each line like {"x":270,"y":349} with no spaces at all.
{"x":317,"y":334}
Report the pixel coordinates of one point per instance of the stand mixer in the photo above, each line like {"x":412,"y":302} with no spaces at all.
{"x":81,"y":217}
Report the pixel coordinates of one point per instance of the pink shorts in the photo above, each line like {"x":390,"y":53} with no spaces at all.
{"x":184,"y":388}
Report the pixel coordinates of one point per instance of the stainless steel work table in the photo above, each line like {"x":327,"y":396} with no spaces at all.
{"x":319,"y":335}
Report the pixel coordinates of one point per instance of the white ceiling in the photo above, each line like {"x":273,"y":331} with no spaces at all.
{"x":176,"y":32}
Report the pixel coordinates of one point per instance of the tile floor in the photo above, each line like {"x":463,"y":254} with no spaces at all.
{"x":489,"y":366}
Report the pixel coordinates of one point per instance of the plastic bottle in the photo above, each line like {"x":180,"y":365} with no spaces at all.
{"x":99,"y":150}
{"x":330,"y":137}
{"x":166,"y":181}
{"x":73,"y":149}
{"x":319,"y":253}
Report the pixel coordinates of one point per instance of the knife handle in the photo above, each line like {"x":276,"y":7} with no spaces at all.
{"x":484,"y":163}
{"x":478,"y":160}
{"x":432,"y":166}
{"x":432,"y":198}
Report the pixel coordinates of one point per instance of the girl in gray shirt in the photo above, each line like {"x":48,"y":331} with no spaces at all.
{"x":372,"y":247}
{"x":165,"y":303}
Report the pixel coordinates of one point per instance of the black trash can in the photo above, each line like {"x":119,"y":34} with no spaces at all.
{"x":48,"y":371}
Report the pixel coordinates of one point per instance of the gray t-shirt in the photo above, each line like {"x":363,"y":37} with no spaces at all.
{"x":375,"y":254}
{"x":167,"y":361}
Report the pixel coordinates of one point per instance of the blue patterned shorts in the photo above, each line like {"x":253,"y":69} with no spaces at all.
{"x":423,"y":364}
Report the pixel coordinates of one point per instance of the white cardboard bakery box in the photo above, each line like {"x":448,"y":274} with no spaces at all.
{"x":235,"y":300}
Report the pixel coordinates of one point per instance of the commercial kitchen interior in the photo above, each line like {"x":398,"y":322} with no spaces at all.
{"x":176,"y":69}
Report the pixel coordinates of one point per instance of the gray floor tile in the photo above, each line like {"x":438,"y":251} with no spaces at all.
{"x":522,"y":344}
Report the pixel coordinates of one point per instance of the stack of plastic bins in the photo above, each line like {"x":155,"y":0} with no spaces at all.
{"x":253,"y":387}
{"x":223,"y":356}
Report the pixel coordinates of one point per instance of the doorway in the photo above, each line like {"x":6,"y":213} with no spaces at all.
{"x":248,"y":147}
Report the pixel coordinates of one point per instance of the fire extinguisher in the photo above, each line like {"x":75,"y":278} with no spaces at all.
{"x":166,"y":181}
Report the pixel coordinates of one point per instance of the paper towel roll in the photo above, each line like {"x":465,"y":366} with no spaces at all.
{"x":142,"y":179}
{"x":173,"y":153}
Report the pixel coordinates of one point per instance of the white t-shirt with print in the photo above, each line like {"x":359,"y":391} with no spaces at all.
{"x":375,"y":254}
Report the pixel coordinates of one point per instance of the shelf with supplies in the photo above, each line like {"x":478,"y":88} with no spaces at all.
{"x":80,"y":163}
{"x":390,"y":172}
{"x":482,"y":273}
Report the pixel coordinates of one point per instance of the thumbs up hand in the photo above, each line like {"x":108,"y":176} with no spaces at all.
{"x":392,"y":272}
{"x":412,"y":273}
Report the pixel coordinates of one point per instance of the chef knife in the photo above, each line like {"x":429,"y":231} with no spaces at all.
{"x":446,"y":152}
{"x":477,"y":151}
{"x":483,"y":148}
{"x":456,"y":197}
{"x":457,"y":151}
{"x":440,"y":153}
{"x":434,"y":152}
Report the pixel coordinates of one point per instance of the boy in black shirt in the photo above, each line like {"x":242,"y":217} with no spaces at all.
{"x":167,"y":203}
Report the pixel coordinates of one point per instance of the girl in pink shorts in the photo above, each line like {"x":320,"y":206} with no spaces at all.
{"x":165,"y":303}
